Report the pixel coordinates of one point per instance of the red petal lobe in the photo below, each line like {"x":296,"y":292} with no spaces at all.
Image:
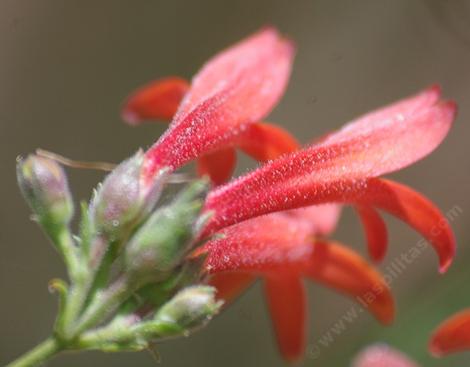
{"x":265,"y":142}
{"x":287,"y":305}
{"x":158,"y":100}
{"x":376,"y":231}
{"x":453,"y":335}
{"x":219,"y":165}
{"x":230,"y":285}
{"x":415,"y":210}
{"x":340,"y":267}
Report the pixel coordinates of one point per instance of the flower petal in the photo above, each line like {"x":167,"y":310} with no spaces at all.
{"x":230,"y":285}
{"x":415,"y":210}
{"x":237,"y":87}
{"x":260,"y":245}
{"x":326,"y":170}
{"x":283,"y":244}
{"x":235,"y":205}
{"x":340,"y":267}
{"x":323,"y":218}
{"x":261,"y":141}
{"x":285,"y":296}
{"x":219,"y":165}
{"x":158,"y":100}
{"x":398,"y":112}
{"x":453,"y":335}
{"x":265,"y":142}
{"x":382,"y":356}
{"x":376,"y":231}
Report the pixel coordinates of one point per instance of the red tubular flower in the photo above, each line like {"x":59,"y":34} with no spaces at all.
{"x":237,"y":87}
{"x":453,"y":335}
{"x":221,"y":108}
{"x":382,"y":356}
{"x":343,"y":168}
{"x":286,"y":250}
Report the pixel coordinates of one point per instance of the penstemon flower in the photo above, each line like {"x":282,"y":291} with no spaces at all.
{"x":283,"y":248}
{"x":142,"y":268}
{"x":340,"y":168}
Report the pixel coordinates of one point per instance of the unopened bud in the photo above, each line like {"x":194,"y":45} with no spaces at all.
{"x":166,"y":237}
{"x":124,"y":199}
{"x":189,"y":308}
{"x":45,"y":188}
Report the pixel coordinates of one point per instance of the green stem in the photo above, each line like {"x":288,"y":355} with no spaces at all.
{"x":73,"y":306}
{"x":80,"y":289}
{"x":123,"y":334}
{"x":105,"y":303}
{"x":39,"y":354}
{"x":115,"y":333}
{"x":69,"y":252}
{"x":63,"y":240}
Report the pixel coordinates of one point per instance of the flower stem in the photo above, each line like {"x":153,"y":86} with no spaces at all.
{"x":105,"y":303}
{"x":39,"y":354}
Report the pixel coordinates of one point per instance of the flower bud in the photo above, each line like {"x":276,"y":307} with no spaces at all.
{"x":189,"y":308}
{"x":44,"y":186}
{"x":157,"y":293}
{"x":165,"y":238}
{"x":124,"y":200}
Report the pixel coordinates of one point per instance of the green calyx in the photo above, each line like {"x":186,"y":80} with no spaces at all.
{"x":166,"y":237}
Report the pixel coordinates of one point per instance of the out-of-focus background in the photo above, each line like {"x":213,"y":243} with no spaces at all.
{"x":66,"y":66}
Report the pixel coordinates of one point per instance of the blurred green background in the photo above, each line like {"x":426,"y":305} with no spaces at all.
{"x":66,"y":66}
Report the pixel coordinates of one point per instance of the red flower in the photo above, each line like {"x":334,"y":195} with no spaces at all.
{"x":283,"y":248}
{"x":237,"y":87}
{"x":382,"y":356}
{"x":343,"y":168}
{"x":453,"y":335}
{"x":222,"y":110}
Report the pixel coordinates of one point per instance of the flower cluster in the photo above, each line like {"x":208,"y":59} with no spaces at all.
{"x":222,"y":110}
{"x":172,"y":259}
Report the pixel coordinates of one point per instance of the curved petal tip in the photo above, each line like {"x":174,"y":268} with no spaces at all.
{"x":453,"y":335}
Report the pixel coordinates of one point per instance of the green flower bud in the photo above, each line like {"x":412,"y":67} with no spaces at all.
{"x":44,"y":186}
{"x":157,"y":293}
{"x":123,"y":200}
{"x":166,"y":237}
{"x":190,"y":308}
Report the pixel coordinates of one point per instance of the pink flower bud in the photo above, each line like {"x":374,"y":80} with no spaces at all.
{"x":123,"y":200}
{"x":45,"y":188}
